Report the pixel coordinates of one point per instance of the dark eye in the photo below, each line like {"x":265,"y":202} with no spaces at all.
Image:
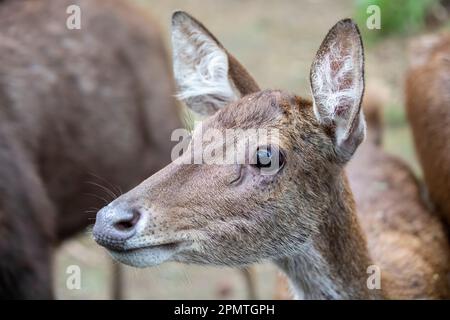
{"x":263,"y":158}
{"x":269,"y":158}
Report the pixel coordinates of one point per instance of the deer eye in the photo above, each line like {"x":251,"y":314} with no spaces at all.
{"x":263,"y":157}
{"x":269,"y":157}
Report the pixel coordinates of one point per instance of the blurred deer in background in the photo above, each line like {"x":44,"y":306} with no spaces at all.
{"x":302,"y":215}
{"x":74,"y":104}
{"x":428,"y":109}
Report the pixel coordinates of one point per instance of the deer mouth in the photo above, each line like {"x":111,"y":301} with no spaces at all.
{"x":148,"y":255}
{"x":159,"y":246}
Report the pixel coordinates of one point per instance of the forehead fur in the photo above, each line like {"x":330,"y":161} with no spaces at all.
{"x":262,"y":109}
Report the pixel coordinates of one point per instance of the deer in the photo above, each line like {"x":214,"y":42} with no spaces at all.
{"x":74,"y":105}
{"x":300,"y":213}
{"x":427,"y":85}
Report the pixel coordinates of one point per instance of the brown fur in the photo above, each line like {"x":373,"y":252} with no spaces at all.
{"x":428,"y":109}
{"x":74,"y":104}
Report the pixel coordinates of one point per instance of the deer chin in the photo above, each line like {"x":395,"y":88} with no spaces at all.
{"x":148,"y":255}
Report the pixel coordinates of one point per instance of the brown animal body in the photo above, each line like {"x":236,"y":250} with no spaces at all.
{"x":293,"y":204}
{"x":428,"y":109}
{"x":74,"y":104}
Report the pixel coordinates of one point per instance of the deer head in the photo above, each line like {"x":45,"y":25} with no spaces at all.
{"x":236,"y":214}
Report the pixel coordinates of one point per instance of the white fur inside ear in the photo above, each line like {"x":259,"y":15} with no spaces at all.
{"x":337,"y":86}
{"x":201,"y":69}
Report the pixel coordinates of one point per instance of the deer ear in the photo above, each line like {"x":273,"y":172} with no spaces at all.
{"x":337,"y":84}
{"x":207,"y":76}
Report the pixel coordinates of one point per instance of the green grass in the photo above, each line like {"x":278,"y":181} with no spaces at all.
{"x":394,"y":116}
{"x":397,"y":17}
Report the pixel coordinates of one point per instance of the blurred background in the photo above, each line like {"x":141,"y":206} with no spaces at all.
{"x":276,"y":42}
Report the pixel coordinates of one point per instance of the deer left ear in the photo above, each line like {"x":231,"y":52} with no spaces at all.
{"x":337,"y":84}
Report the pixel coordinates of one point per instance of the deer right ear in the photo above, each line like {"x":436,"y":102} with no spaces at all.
{"x":207,"y":76}
{"x":337,"y":84}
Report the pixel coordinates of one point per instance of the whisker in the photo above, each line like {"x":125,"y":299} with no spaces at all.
{"x":90,"y":210}
{"x":98,"y":197}
{"x":108,"y":192}
{"x":111,"y":185}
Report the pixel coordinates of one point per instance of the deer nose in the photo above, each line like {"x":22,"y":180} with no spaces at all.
{"x":115,"y":225}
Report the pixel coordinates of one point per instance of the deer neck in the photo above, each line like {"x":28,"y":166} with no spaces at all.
{"x":333,"y":264}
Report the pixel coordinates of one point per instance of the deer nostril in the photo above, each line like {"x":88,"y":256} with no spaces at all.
{"x":129,"y":222}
